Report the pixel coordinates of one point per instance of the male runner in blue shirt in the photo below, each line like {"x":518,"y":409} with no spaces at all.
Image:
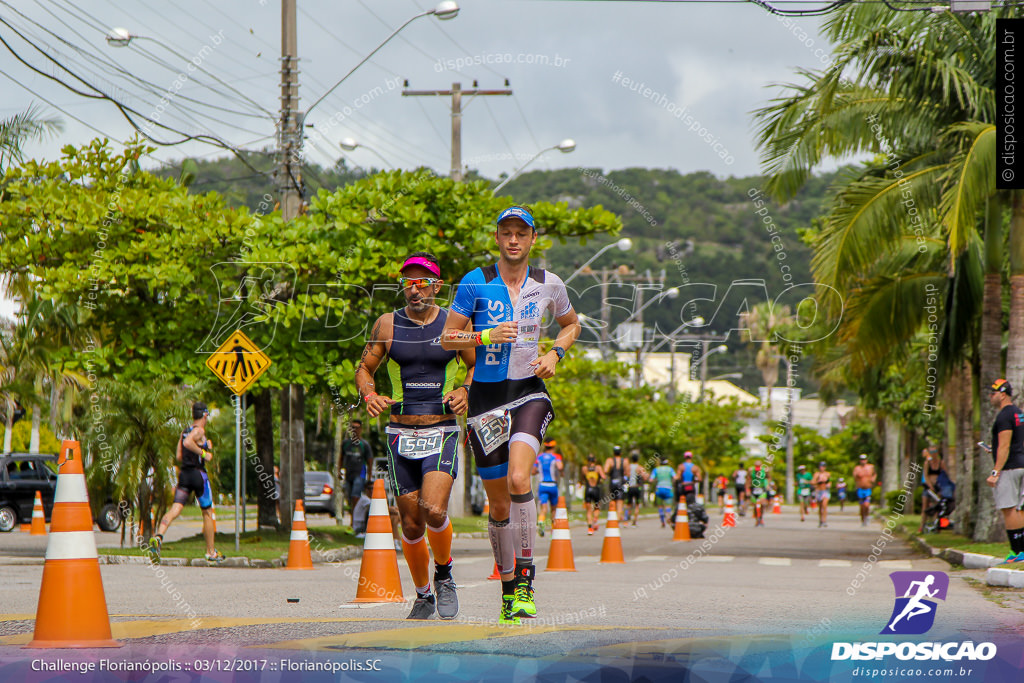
{"x":509,"y":407}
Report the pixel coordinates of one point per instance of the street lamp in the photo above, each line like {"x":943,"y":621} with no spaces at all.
{"x":122,"y":37}
{"x":350,"y":144}
{"x":445,"y":10}
{"x":565,"y":146}
{"x":624,"y":244}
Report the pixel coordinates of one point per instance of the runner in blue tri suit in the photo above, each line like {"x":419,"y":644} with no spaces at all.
{"x":548,"y":466}
{"x":509,"y":407}
{"x":193,"y":452}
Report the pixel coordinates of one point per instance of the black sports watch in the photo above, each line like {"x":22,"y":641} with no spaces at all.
{"x":559,"y":351}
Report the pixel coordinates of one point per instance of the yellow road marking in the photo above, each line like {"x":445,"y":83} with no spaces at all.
{"x":144,"y":628}
{"x":436,"y":634}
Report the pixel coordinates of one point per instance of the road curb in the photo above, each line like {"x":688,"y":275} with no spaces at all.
{"x":1007,"y":578}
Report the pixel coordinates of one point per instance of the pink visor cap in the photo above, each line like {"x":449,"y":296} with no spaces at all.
{"x":420,"y":261}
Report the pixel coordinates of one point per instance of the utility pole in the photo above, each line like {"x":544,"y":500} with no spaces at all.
{"x":289,"y":181}
{"x":456,"y":94}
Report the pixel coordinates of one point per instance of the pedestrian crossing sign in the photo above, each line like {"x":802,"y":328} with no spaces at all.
{"x":238,"y":362}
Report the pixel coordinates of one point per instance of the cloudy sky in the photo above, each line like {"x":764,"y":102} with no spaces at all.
{"x":710,"y":64}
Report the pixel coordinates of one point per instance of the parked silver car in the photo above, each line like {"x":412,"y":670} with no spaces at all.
{"x":319,"y":492}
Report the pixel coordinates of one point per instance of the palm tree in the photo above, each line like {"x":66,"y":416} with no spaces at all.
{"x":764,"y":321}
{"x":36,"y":349}
{"x":133,"y":446}
{"x":20,"y":128}
{"x":919,"y":90}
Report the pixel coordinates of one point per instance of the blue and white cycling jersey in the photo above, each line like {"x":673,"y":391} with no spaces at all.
{"x":483,"y":297}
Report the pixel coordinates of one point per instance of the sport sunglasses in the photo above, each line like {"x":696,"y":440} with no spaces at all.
{"x":418,"y":281}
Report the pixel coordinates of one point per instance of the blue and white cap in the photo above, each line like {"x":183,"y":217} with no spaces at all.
{"x":516,"y":212}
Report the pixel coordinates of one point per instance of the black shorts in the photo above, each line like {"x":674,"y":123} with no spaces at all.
{"x":633,"y":495}
{"x":616,"y":491}
{"x":592,"y":495}
{"x":405,"y":474}
{"x":530,"y":416}
{"x":741,"y":491}
{"x":721,"y":493}
{"x":193,"y":481}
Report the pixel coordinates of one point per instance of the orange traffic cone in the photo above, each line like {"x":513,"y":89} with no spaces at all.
{"x":378,"y":573}
{"x":299,"y":556}
{"x":611,"y":549}
{"x":72,"y":609}
{"x":776,"y":507}
{"x":730,"y":514}
{"x":27,"y":528}
{"x":560,"y":555}
{"x":38,"y":518}
{"x":682,"y":523}
{"x":814,"y":504}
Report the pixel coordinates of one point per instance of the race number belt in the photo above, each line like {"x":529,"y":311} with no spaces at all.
{"x":417,"y":444}
{"x":494,"y":427}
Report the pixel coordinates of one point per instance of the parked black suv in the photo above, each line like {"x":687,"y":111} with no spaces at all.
{"x":21,"y":475}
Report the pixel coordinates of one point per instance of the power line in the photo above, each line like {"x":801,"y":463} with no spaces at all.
{"x":103,"y":60}
{"x":124,"y":109}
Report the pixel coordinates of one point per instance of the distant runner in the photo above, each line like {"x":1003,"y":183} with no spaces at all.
{"x":193,"y":452}
{"x":740,"y":481}
{"x":721,"y":488}
{"x":549,"y":466}
{"x":663,"y":477}
{"x":759,"y":480}
{"x":591,"y":478}
{"x":803,"y":489}
{"x":841,"y":493}
{"x":821,"y":492}
{"x":615,"y":468}
{"x":637,"y":476}
{"x":688,"y":476}
{"x":864,"y":478}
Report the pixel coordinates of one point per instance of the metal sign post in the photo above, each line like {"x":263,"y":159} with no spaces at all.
{"x":238,"y":363}
{"x":238,"y":464}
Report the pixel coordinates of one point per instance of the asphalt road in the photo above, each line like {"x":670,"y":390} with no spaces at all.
{"x":787,"y":578}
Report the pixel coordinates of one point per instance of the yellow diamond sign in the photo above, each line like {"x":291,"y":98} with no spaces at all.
{"x":238,"y":362}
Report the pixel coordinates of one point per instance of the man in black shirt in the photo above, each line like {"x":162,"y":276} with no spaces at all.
{"x":357,"y":463}
{"x":1007,"y":476}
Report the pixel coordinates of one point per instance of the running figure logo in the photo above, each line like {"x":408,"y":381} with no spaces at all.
{"x":913,"y":612}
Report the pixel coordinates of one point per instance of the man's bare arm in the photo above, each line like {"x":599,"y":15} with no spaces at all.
{"x":374,"y":352}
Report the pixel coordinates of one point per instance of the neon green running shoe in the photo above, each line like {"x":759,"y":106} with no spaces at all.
{"x":523,"y":605}
{"x":155,"y":545}
{"x":507,"y":617}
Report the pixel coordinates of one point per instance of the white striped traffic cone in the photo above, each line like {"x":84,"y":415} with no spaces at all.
{"x":299,"y":556}
{"x":611,"y":549}
{"x":72,"y":609}
{"x":560,"y":557}
{"x":730,"y":515}
{"x":38,"y":518}
{"x":682,"y":532}
{"x":378,"y":573}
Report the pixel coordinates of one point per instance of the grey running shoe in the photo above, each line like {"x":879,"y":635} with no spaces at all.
{"x":423,"y":608}
{"x":447,"y":598}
